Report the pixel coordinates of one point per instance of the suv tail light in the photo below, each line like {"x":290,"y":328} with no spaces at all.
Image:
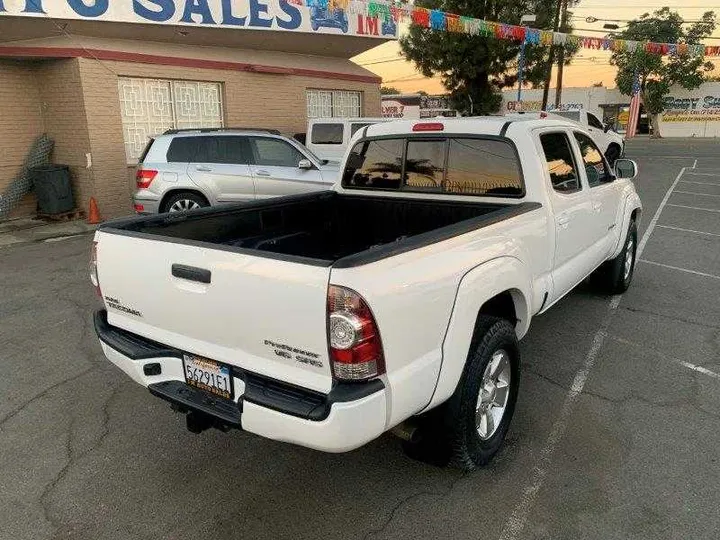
{"x":144,"y":178}
{"x":94,"y":279}
{"x":353,"y":337}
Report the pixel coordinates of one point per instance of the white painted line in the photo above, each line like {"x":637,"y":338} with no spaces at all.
{"x":696,"y":193}
{"x":694,"y":164}
{"x":687,"y":230}
{"x":699,"y":369}
{"x":704,"y":174}
{"x":687,"y":270}
{"x":695,"y":208}
{"x":516,"y":522}
{"x":701,"y":183}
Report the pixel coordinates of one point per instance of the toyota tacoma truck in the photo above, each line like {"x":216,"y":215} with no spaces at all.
{"x":393,"y":302}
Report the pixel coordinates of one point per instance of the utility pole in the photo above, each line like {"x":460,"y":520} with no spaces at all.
{"x":548,"y":75}
{"x":561,"y":58}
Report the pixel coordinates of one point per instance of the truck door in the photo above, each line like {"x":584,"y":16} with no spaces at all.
{"x":571,"y":207}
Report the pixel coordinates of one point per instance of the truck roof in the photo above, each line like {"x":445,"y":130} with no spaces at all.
{"x":480,"y":125}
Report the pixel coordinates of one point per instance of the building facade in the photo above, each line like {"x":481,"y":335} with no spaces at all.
{"x":101,"y":79}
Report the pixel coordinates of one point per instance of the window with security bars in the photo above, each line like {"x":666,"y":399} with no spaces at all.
{"x":151,"y":106}
{"x":334,"y":103}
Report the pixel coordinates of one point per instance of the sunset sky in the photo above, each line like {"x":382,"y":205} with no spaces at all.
{"x":589,"y":66}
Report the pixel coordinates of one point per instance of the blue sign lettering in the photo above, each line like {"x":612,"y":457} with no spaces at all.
{"x":228,"y":17}
{"x":294,"y":14}
{"x":33,"y":6}
{"x":257,"y":9}
{"x":197,"y":7}
{"x":165,"y":13}
{"x":98,"y":8}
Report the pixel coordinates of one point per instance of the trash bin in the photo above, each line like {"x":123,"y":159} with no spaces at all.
{"x":53,"y":188}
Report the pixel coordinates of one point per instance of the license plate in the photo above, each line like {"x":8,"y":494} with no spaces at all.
{"x":208,"y":375}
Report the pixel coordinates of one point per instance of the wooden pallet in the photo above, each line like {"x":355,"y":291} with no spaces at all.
{"x":72,"y":215}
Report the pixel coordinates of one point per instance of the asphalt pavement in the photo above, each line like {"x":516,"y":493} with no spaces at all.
{"x":616,"y":433}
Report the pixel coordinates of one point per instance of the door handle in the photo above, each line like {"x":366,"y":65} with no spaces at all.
{"x":203,"y":169}
{"x":563,"y":221}
{"x":262,"y":173}
{"x":191,"y":273}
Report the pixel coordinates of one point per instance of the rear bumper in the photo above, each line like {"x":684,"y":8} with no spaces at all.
{"x":350,"y":416}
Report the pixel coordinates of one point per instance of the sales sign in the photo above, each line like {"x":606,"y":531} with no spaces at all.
{"x":313,"y":16}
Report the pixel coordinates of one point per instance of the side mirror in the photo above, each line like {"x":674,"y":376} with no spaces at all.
{"x":626,"y":169}
{"x":305,"y":164}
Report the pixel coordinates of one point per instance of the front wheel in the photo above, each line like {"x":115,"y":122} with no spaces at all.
{"x":616,"y":274}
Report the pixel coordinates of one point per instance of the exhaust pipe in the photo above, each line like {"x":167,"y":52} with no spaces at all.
{"x":407,"y":431}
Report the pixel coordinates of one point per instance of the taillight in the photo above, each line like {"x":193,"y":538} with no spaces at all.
{"x":429,"y":126}
{"x":144,"y":178}
{"x":353,"y":337}
{"x":94,"y":279}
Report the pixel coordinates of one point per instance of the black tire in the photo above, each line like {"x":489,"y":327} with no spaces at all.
{"x":186,"y":199}
{"x":612,"y":154}
{"x":449,"y":434}
{"x":613,"y":276}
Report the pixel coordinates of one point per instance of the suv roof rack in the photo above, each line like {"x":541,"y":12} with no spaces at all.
{"x":210,"y":130}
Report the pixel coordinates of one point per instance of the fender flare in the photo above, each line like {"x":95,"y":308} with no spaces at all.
{"x":630,"y":204}
{"x":508,"y":274}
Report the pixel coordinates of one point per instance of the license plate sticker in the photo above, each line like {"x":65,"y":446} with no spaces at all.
{"x":208,"y":375}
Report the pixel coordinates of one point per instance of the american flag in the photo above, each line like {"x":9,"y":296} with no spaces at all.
{"x":634,"y":108}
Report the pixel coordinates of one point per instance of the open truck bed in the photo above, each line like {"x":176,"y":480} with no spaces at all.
{"x":324,"y":229}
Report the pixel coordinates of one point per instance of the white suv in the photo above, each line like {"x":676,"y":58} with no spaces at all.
{"x":188,"y":169}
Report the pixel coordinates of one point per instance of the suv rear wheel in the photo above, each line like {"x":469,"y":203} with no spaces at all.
{"x":184,"y":201}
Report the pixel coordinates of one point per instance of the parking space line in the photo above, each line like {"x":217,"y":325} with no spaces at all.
{"x":515,"y":524}
{"x":687,"y":230}
{"x":695,"y":208}
{"x":704,"y":174}
{"x":701,"y":183}
{"x":696,"y":193}
{"x":694,"y":164}
{"x":679,"y":269}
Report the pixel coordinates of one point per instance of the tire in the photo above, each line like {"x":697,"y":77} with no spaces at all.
{"x":612,"y":154}
{"x":183,"y":201}
{"x":615,"y":275}
{"x":450,"y":433}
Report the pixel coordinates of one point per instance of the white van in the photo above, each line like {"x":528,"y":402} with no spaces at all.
{"x":328,"y":138}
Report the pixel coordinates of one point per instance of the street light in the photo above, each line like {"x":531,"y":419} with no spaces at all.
{"x":528,"y":18}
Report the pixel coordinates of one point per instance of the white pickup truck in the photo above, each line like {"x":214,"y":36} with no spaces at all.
{"x":394,"y":302}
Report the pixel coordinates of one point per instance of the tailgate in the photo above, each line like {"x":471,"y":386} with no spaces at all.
{"x":264,"y":315}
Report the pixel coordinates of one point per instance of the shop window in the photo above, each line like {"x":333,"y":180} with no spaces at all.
{"x":333,"y":103}
{"x":152,"y":106}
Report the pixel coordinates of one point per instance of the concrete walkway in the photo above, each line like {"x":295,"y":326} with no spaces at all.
{"x":23,"y":230}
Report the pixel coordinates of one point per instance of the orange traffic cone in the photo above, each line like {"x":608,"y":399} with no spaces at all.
{"x":94,"y":214}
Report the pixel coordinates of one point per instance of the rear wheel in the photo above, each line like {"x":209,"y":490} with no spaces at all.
{"x":468,"y":430}
{"x":184,"y":201}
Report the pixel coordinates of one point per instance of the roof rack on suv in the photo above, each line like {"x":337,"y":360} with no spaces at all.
{"x":210,"y":130}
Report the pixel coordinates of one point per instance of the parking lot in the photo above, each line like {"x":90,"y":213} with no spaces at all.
{"x":616,"y":433}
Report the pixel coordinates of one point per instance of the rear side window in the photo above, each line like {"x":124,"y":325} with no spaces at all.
{"x":560,"y":163}
{"x":182,"y":150}
{"x":146,"y":150}
{"x":375,"y":164}
{"x":483,"y":167}
{"x":327,"y":133}
{"x":355,"y":127}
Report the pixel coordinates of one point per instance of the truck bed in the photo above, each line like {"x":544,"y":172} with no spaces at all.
{"x":324,"y":228}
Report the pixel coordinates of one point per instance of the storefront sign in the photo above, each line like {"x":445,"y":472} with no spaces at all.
{"x":316,"y":16}
{"x":692,"y":109}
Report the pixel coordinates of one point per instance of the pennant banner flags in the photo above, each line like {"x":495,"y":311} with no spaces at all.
{"x":441,"y":21}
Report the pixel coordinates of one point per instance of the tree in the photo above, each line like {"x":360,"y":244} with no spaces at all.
{"x":655,"y":72}
{"x":473,"y":68}
{"x":386,"y":90}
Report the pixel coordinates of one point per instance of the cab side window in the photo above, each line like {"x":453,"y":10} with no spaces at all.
{"x":594,"y":122}
{"x":560,"y":163}
{"x":595,"y":167}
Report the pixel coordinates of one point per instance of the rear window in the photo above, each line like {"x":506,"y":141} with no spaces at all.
{"x":457,"y":165}
{"x":327,"y":134}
